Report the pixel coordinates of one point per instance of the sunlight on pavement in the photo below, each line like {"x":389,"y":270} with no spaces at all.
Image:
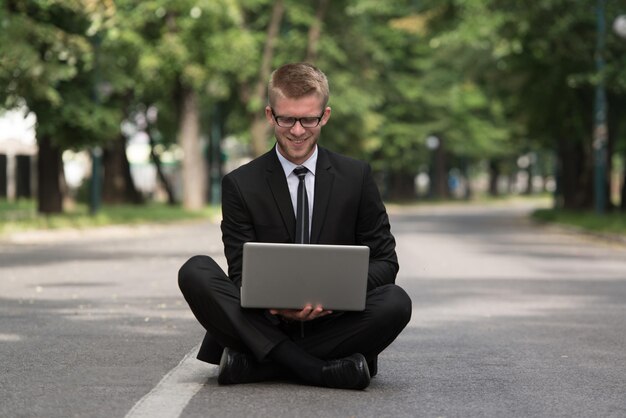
{"x":473,"y":309}
{"x":10,"y":338}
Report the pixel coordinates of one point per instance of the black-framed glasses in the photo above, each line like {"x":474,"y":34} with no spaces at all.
{"x":289,"y":121}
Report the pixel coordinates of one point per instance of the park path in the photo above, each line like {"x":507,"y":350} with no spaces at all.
{"x":509,"y":319}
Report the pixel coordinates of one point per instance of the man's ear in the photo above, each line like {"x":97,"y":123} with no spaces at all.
{"x":268,"y":115}
{"x":325,"y":116}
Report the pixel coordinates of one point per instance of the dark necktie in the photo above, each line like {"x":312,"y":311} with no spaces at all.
{"x":302,"y":209}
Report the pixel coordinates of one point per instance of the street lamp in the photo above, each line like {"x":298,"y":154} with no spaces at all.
{"x":432,"y":143}
{"x":619,"y":26}
{"x":600,"y":130}
{"x":95,"y":192}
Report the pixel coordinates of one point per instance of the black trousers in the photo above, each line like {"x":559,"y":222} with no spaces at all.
{"x":215,"y":301}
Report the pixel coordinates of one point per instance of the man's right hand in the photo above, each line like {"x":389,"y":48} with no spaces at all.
{"x":307,"y":313}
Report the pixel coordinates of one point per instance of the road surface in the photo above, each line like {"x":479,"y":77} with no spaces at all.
{"x":509,"y":319}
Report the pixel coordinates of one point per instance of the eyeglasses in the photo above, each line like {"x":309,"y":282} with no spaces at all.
{"x":289,"y":122}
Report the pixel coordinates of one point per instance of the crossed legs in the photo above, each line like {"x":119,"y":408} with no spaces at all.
{"x":214,"y":300}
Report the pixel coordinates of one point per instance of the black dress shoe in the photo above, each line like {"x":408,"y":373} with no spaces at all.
{"x":373,"y":366}
{"x":347,"y":373}
{"x":238,"y":367}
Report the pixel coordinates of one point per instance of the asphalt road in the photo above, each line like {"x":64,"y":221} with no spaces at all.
{"x":510,"y":319}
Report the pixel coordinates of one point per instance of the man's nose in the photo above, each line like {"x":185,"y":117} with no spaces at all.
{"x":297,"y":129}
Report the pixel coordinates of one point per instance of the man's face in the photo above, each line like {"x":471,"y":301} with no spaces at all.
{"x":297,"y":143}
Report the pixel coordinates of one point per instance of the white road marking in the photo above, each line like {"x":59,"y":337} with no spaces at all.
{"x":170,"y":396}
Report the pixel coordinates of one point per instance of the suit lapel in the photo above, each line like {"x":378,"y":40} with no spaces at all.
{"x":324,"y":179}
{"x":280,"y":191}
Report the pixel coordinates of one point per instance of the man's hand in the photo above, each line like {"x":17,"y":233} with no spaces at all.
{"x":307,"y":313}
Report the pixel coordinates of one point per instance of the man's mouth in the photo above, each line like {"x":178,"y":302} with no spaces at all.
{"x":297,"y":141}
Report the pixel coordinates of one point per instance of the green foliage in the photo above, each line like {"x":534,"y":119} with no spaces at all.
{"x":51,"y":63}
{"x":22,"y":216}
{"x":612,"y":223}
{"x":38,"y":50}
{"x":199,"y":45}
{"x":491,"y":78}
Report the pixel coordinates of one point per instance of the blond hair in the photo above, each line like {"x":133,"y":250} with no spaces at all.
{"x":297,"y":80}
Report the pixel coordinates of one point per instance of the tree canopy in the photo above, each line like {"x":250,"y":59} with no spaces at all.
{"x":490,"y":79}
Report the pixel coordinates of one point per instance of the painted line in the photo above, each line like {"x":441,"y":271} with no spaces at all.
{"x":172,"y":394}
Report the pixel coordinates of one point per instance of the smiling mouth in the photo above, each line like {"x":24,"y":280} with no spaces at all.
{"x":298,"y":141}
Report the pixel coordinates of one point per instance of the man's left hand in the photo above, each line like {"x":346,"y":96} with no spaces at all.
{"x":307,"y":313}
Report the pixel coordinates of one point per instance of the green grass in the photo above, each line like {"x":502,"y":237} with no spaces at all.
{"x":543,"y":199}
{"x":22,"y":216}
{"x":612,"y":223}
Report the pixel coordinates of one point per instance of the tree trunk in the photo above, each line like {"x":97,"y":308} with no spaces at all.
{"x":315,"y":31}
{"x":494,"y":175}
{"x":259,"y":128}
{"x":575,"y":181}
{"x":622,"y":204}
{"x":401,"y":186}
{"x":169,"y":190}
{"x":194,"y":164}
{"x":259,"y":131}
{"x":118,"y":186}
{"x":49,"y":165}
{"x":23,"y":181}
{"x":529,"y":179}
{"x":4,"y":176}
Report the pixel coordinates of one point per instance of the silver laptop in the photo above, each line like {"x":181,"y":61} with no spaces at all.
{"x":288,"y":276}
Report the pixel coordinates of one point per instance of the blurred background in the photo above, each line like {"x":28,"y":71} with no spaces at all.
{"x":112,"y":102}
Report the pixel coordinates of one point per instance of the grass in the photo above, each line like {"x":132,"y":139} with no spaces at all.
{"x":611,"y":223}
{"x":540,"y":200}
{"x":22,"y":216}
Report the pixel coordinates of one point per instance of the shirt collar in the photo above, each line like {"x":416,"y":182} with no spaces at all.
{"x":288,"y":166}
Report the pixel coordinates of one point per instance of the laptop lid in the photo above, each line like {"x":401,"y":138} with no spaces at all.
{"x":288,"y":276}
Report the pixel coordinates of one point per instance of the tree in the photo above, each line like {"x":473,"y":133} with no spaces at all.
{"x":420,"y":71}
{"x":256,"y":97}
{"x":548,"y":48}
{"x":490,"y":79}
{"x":48,"y":62}
{"x":194,"y":50}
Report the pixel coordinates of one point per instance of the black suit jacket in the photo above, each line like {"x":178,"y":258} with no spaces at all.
{"x":347,"y":209}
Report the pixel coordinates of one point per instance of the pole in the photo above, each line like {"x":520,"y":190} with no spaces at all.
{"x":96,"y":176}
{"x":600,"y":131}
{"x":432,"y":143}
{"x":216,"y":156}
{"x":96,"y":152}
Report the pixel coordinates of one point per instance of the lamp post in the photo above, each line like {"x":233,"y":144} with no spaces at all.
{"x":95,"y":192}
{"x":216,"y":156}
{"x":619,"y":27}
{"x":600,"y":130}
{"x":432,"y":143}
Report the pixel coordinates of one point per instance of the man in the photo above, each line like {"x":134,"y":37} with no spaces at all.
{"x":259,"y":201}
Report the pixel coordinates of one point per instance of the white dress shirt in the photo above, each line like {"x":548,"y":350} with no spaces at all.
{"x":293,"y":180}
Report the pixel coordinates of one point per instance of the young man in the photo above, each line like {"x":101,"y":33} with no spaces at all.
{"x":259,"y":201}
